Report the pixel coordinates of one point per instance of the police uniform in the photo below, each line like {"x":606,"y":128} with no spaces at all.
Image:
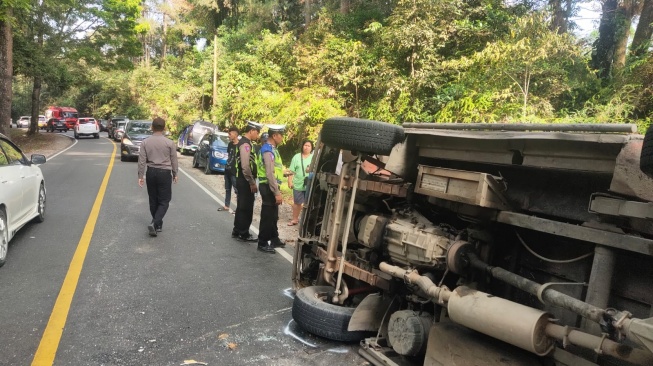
{"x":270,"y":174}
{"x":245,"y":177}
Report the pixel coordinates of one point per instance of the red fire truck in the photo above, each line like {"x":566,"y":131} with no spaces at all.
{"x":68,"y":114}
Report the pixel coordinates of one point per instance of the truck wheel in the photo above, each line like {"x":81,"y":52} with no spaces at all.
{"x":646,"y":159}
{"x":321,"y":318}
{"x":361,"y":135}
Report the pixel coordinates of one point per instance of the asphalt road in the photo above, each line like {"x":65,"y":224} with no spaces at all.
{"x":192,"y":293}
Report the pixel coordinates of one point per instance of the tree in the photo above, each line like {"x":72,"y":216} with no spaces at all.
{"x":626,"y":10}
{"x":604,"y":47}
{"x":642,"y":37}
{"x":7,"y":20}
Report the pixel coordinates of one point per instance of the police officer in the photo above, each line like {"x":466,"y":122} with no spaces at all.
{"x":159,"y":155}
{"x":245,"y":183}
{"x":270,"y":174}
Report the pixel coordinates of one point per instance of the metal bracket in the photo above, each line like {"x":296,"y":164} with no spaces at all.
{"x":542,"y":288}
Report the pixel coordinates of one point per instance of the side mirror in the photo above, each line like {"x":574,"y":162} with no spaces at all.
{"x":38,"y":159}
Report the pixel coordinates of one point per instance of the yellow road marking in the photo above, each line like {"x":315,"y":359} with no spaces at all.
{"x":52,"y":335}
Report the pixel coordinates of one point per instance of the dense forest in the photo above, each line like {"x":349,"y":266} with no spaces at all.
{"x":298,"y":62}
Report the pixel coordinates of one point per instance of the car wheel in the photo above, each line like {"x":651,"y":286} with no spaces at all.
{"x":196,"y":163}
{"x":41,"y":205}
{"x":321,"y":318}
{"x":4,"y":237}
{"x":646,"y":157}
{"x":361,"y":135}
{"x":207,"y":167}
{"x":122,"y":158}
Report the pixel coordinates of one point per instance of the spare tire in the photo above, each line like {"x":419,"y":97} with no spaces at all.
{"x":646,"y":158}
{"x":323,"y":319}
{"x":361,"y":135}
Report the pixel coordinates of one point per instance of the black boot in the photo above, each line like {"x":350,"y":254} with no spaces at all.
{"x":265,"y":247}
{"x":277,"y":243}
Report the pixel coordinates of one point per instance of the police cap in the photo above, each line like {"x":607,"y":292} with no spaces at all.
{"x":280,"y":129}
{"x":251,"y":125}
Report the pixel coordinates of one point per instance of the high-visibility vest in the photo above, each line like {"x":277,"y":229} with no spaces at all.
{"x":278,"y":164}
{"x":252,"y":158}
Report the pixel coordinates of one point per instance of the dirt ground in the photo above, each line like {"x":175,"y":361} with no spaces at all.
{"x":44,"y":143}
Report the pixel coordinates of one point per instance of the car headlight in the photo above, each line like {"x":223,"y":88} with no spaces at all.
{"x":127,"y":141}
{"x":219,"y":155}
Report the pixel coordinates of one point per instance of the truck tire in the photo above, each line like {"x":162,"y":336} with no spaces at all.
{"x":361,"y":135}
{"x":321,"y":318}
{"x":646,"y":159}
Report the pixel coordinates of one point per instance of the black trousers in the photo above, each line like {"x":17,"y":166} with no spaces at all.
{"x":245,"y":208}
{"x":267,"y":229}
{"x":159,"y":190}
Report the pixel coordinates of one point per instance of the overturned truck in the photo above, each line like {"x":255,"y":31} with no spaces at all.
{"x":480,"y":244}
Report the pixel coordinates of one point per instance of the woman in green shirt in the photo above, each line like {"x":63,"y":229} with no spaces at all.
{"x":298,"y":167}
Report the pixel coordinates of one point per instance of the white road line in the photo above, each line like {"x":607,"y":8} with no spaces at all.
{"x":283,"y":253}
{"x":64,"y":150}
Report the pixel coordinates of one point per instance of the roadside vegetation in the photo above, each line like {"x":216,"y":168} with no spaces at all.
{"x":299,"y":62}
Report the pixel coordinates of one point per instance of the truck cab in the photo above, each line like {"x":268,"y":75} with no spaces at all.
{"x":67,"y":114}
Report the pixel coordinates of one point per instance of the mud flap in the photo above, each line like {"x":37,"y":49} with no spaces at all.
{"x":369,"y":314}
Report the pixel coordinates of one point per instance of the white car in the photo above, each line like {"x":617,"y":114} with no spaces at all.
{"x":23,"y":122}
{"x":22,"y":192}
{"x":87,"y":126}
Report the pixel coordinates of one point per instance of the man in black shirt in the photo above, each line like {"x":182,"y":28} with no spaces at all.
{"x":246,"y":183}
{"x":230,"y":169}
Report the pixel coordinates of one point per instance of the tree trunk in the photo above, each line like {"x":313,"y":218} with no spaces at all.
{"x":36,"y":89}
{"x":644,"y":31}
{"x":625,"y":13}
{"x":215,"y":68}
{"x":6,"y":71}
{"x":307,"y":13}
{"x":604,"y":46}
{"x":559,"y":20}
{"x":344,"y":6}
{"x":164,"y":40}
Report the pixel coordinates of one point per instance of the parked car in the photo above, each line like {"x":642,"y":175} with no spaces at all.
{"x":103,"y":125}
{"x":22,"y":192}
{"x":479,"y":244}
{"x":87,"y":126}
{"x":43,"y":123}
{"x":119,"y":130}
{"x":192,"y":134}
{"x":113,"y":123}
{"x":57,"y":124}
{"x":23,"y":122}
{"x":211,"y":153}
{"x":135,"y":132}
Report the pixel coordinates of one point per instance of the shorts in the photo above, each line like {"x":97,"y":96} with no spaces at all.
{"x":298,"y":197}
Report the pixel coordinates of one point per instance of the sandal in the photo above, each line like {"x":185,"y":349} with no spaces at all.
{"x":292,"y":223}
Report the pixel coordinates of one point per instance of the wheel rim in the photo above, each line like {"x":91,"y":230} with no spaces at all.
{"x":42,"y":202}
{"x":4,"y":243}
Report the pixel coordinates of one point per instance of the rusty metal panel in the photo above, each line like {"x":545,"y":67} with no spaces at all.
{"x":356,"y":272}
{"x":474,"y":188}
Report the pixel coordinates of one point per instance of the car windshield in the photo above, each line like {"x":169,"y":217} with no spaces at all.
{"x":139,"y":128}
{"x":69,"y":115}
{"x":221,"y":141}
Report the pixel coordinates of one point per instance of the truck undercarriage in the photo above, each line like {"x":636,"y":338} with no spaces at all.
{"x":479,"y":244}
